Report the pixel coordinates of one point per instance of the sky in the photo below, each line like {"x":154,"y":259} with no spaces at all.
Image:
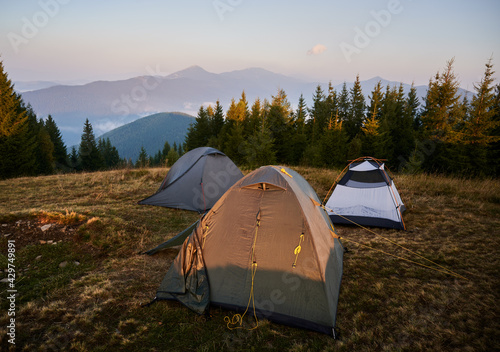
{"x":318,"y":41}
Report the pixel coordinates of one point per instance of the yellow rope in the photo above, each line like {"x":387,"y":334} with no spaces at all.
{"x":238,"y":318}
{"x":397,"y":244}
{"x":297,"y":250}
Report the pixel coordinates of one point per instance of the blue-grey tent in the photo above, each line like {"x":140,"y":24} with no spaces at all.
{"x":196,"y":181}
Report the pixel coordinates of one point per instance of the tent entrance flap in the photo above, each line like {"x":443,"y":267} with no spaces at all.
{"x":177,"y":240}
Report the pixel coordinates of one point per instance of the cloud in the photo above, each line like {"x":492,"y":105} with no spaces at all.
{"x":105,"y":126}
{"x":316,"y":50}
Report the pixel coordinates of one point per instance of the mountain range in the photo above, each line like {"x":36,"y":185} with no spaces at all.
{"x":111,"y":104}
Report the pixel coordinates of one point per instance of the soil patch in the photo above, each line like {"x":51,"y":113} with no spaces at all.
{"x":33,"y":231}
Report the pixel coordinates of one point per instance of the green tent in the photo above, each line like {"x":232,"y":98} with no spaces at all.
{"x":266,"y":245}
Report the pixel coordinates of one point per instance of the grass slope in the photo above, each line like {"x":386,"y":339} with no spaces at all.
{"x":84,"y":292}
{"x":150,"y":132}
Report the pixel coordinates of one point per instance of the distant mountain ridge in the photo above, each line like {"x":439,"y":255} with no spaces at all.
{"x":150,"y":132}
{"x":110,"y":104}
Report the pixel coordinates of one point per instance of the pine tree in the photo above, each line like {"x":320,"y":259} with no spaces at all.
{"x":494,"y":147}
{"x":90,"y":157}
{"x":233,"y":143}
{"x":333,"y":145}
{"x":242,"y":112}
{"x":256,"y":117}
{"x":217,"y":121}
{"x":143,"y":159}
{"x":442,"y":113}
{"x":402,"y":133}
{"x":258,"y":149}
{"x":109,"y":153}
{"x":199,"y":132}
{"x":480,"y":123}
{"x":371,"y":136}
{"x":407,"y":160}
{"x":318,"y":115}
{"x":74,"y":159}
{"x":16,"y":146}
{"x":279,"y":123}
{"x":45,"y":149}
{"x":60,"y":152}
{"x":442,"y":106}
{"x":344,"y":105}
{"x":356,"y":114}
{"x":172,"y":157}
{"x":299,"y":136}
{"x":164,"y":153}
{"x":331,"y":106}
{"x":35,"y":127}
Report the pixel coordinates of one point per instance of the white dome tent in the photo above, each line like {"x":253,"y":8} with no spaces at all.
{"x":366,"y":195}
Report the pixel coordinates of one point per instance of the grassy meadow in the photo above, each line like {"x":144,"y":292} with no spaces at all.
{"x":81,"y":281}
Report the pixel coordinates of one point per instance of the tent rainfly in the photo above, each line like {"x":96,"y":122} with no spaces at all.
{"x":196,"y":181}
{"x":366,"y":195}
{"x":267,"y":247}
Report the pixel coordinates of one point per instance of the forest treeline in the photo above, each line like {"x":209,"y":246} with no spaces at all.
{"x":444,"y":133}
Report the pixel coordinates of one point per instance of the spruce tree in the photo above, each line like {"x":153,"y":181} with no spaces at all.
{"x":333,"y":145}
{"x":60,"y":152}
{"x":74,"y":159}
{"x":242,"y":112}
{"x":331,"y":106}
{"x":199,"y":132}
{"x":442,"y":105}
{"x":164,"y":152}
{"x":256,"y":117}
{"x":45,"y":152}
{"x":371,"y":136}
{"x":172,"y":157}
{"x":279,"y":123}
{"x":35,"y":127}
{"x":318,"y":115}
{"x":233,"y":143}
{"x":109,"y":153}
{"x":89,"y":155}
{"x":494,"y":147}
{"x":17,"y":156}
{"x":480,"y":123}
{"x":402,"y":133}
{"x":258,"y":149}
{"x":343,"y":105}
{"x":217,"y":121}
{"x":299,"y":136}
{"x":411,"y":122}
{"x":442,"y":114}
{"x":143,"y":159}
{"x":356,"y":114}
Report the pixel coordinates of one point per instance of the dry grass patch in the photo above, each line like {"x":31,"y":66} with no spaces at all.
{"x":385,"y":303}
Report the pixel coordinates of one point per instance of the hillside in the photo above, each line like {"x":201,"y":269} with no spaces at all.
{"x":150,"y":132}
{"x":81,"y":281}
